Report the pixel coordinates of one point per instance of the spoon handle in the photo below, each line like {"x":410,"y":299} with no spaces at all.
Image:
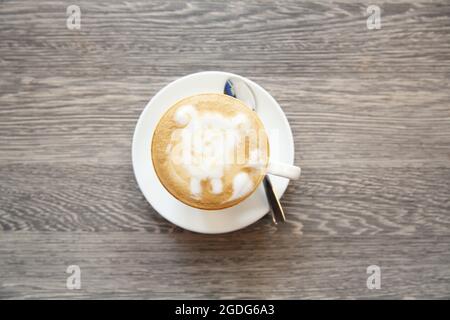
{"x":275,"y":206}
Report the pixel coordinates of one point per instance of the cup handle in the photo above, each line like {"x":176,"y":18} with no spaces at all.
{"x":284,"y":170}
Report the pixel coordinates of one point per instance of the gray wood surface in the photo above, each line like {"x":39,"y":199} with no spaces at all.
{"x":369,"y":110}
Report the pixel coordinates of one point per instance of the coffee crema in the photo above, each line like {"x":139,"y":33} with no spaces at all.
{"x":210,"y":151}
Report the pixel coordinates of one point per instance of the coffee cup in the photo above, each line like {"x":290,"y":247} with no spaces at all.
{"x":211,"y":151}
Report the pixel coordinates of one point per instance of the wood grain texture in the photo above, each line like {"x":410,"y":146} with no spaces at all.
{"x":370,"y":114}
{"x":151,"y":265}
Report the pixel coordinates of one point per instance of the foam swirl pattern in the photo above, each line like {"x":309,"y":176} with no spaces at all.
{"x":210,"y":151}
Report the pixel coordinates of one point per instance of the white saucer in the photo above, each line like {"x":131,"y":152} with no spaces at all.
{"x":197,"y":220}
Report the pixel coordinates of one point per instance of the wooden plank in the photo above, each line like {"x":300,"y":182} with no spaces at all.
{"x":161,"y":38}
{"x":336,"y":121}
{"x":328,"y":201}
{"x":279,"y":265}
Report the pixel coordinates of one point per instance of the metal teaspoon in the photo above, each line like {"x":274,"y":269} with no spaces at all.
{"x":238,"y":89}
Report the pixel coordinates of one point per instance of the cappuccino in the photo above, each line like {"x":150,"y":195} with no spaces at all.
{"x":210,"y":151}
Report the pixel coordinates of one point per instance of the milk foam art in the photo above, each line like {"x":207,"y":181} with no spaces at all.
{"x":206,"y":144}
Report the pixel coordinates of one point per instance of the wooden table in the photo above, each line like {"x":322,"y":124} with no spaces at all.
{"x":370,"y":114}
